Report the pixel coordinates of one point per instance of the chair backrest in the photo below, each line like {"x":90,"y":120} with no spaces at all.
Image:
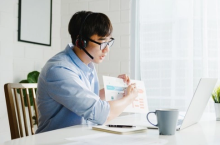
{"x":17,"y":97}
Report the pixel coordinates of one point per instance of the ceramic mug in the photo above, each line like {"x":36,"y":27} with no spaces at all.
{"x":166,"y":120}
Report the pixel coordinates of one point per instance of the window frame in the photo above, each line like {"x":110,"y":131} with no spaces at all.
{"x":135,"y":49}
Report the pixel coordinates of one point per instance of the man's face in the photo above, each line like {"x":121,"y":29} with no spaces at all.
{"x":94,"y":48}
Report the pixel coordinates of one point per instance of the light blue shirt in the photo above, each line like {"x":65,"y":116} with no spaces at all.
{"x":68,"y":93}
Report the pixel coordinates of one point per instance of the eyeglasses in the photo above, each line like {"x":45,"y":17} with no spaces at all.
{"x":104,"y":44}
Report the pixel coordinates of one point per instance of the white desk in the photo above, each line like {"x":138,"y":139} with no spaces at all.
{"x":206,"y":132}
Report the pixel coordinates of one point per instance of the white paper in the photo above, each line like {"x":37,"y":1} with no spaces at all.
{"x":111,"y":139}
{"x":114,"y":89}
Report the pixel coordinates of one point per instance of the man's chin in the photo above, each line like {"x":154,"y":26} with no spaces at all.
{"x":97,"y":61}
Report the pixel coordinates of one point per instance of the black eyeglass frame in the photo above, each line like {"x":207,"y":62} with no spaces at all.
{"x":112,"y":39}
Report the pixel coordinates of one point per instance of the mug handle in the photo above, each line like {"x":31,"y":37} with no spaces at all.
{"x":149,"y":120}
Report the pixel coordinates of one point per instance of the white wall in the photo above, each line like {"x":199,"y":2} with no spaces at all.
{"x":17,"y":58}
{"x":118,"y":59}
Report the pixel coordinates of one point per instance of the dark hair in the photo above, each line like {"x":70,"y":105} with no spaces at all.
{"x":95,"y":23}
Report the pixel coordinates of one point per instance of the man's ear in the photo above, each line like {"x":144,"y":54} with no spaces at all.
{"x":77,"y":41}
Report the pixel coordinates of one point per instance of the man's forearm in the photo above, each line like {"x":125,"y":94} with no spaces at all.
{"x":117,"y":107}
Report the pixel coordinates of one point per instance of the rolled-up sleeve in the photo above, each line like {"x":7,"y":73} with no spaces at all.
{"x":66,"y":88}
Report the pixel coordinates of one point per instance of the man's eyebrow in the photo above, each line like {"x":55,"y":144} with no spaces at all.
{"x":102,"y":38}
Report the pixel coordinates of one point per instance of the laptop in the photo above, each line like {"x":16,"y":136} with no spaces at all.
{"x":197,"y":105}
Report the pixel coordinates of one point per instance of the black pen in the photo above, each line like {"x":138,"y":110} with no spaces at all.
{"x":121,"y":126}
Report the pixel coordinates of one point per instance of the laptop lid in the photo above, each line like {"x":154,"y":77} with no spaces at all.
{"x":199,"y":101}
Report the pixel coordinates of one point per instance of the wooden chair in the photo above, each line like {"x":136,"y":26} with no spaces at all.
{"x":17,"y":112}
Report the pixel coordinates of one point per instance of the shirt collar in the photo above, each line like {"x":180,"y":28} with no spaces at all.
{"x":77,"y":61}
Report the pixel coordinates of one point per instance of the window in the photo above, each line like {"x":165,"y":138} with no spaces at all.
{"x":177,"y":42}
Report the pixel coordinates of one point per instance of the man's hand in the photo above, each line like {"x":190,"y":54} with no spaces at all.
{"x":125,"y":78}
{"x":117,"y":106}
{"x":102,"y":94}
{"x":131,"y":92}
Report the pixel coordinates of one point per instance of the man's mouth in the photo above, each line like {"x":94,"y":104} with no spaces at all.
{"x":102,"y":57}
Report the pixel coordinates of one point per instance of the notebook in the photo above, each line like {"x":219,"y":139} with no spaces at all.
{"x":116,"y":130}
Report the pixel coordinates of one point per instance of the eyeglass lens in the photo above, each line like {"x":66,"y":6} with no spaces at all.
{"x":103,"y":45}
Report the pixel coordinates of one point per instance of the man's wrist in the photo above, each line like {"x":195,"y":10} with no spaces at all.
{"x":128,"y":99}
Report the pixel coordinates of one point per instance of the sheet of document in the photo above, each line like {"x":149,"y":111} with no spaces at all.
{"x":111,"y":139}
{"x":114,"y":89}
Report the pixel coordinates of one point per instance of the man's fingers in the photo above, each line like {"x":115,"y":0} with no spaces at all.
{"x":125,"y":78}
{"x":132,"y":86}
{"x":128,"y":79}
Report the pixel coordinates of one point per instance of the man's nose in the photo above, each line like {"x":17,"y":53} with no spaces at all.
{"x":106,"y":49}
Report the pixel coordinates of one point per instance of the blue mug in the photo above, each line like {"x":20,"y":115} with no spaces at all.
{"x":166,"y":120}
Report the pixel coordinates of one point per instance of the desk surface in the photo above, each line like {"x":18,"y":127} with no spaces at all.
{"x":206,"y":132}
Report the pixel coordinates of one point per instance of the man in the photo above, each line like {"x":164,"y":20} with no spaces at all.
{"x":68,"y":88}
